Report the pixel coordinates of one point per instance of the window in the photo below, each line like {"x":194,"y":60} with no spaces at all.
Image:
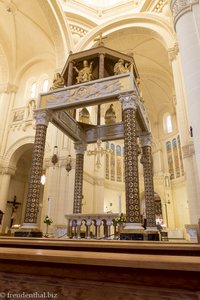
{"x":33,"y":90}
{"x":167,"y":123}
{"x":174,"y":158}
{"x":45,"y":85}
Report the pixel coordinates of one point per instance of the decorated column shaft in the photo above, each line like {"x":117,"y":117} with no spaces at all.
{"x":78,"y":185}
{"x":129,"y":107}
{"x":33,"y":196}
{"x":147,"y":162}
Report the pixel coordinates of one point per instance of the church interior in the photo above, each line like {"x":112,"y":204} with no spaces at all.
{"x":100,"y":151}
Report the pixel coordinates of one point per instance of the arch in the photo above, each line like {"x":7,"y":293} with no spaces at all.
{"x":15,"y":151}
{"x":158,"y":27}
{"x":4,"y":70}
{"x":60,"y":30}
{"x":38,"y":59}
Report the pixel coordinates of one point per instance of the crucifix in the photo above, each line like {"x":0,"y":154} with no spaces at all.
{"x":14,"y":206}
{"x":100,"y":38}
{"x":99,"y":152}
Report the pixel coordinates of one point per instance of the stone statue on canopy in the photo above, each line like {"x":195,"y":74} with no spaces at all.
{"x":121,"y":67}
{"x":58,"y":82}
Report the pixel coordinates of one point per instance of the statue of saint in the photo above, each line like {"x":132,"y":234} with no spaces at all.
{"x":58,"y":82}
{"x":110,"y":116}
{"x":121,"y":67}
{"x":85,"y":74}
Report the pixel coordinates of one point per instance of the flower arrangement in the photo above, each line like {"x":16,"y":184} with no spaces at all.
{"x":120,"y":220}
{"x":47,"y":220}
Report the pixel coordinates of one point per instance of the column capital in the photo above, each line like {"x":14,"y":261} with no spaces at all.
{"x":8,"y":88}
{"x":7,"y":170}
{"x":180,"y":7}
{"x":173,"y":52}
{"x":42,"y":117}
{"x":146,"y":140}
{"x":80,"y":148}
{"x":129,"y":100}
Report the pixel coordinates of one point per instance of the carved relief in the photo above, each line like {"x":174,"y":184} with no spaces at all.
{"x":85,"y":92}
{"x":179,"y":7}
{"x":173,"y":52}
{"x":18,"y":115}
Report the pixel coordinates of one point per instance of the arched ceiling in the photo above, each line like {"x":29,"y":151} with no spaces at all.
{"x":27,"y":33}
{"x":146,"y":45}
{"x":153,"y":65}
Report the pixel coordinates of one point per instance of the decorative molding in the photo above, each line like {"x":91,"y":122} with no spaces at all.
{"x":8,"y":88}
{"x":20,"y":142}
{"x":88,"y":178}
{"x":159,"y":6}
{"x":181,"y":7}
{"x":99,"y":181}
{"x":173,"y":52}
{"x":78,"y":30}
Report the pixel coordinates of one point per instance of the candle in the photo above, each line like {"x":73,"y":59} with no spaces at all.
{"x":119,"y":204}
{"x":49,"y":207}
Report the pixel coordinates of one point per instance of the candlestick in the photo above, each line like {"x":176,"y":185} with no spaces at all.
{"x":49,"y":207}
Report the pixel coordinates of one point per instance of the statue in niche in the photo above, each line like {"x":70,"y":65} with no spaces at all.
{"x":84,"y":116}
{"x":110,"y":116}
{"x":31,"y":107}
{"x":121,"y":67}
{"x":58,"y":82}
{"x":84,"y":74}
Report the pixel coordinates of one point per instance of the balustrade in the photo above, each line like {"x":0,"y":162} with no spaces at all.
{"x":88,"y":226}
